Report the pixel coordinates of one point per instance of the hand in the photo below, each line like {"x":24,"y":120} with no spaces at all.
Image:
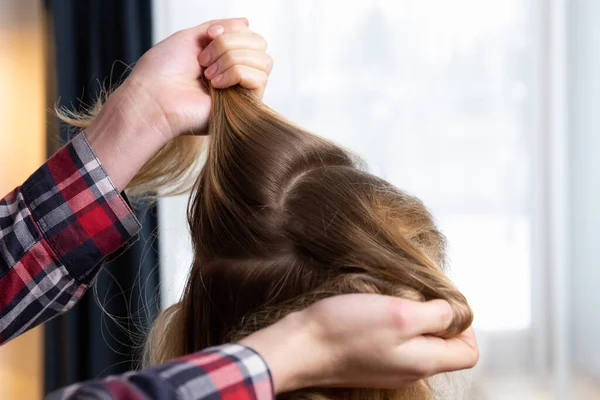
{"x":168,"y":74}
{"x":163,"y":96}
{"x":362,"y":340}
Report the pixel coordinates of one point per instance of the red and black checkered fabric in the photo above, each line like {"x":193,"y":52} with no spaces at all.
{"x":55,"y":231}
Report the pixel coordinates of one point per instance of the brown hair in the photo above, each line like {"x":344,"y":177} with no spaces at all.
{"x":281,"y":218}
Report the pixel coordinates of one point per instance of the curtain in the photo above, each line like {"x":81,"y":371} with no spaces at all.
{"x":95,"y":41}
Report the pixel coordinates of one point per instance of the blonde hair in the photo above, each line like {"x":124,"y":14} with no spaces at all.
{"x":170,"y":172}
{"x":281,"y":218}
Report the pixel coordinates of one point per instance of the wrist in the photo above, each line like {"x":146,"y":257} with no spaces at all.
{"x":286,"y":347}
{"x":127,"y":133}
{"x":143,"y":109}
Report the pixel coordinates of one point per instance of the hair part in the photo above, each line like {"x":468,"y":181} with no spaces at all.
{"x":281,"y":218}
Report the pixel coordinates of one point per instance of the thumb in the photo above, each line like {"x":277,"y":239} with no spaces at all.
{"x":243,"y":21}
{"x":215,"y":30}
{"x":231,"y":25}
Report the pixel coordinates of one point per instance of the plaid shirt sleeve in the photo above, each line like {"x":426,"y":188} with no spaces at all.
{"x":229,"y":372}
{"x":55,"y":231}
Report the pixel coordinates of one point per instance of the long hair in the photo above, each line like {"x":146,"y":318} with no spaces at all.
{"x":281,"y":218}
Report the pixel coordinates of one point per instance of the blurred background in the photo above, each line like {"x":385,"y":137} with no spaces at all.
{"x":486,"y":110}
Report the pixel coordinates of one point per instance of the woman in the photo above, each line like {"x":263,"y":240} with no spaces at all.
{"x":281,"y":218}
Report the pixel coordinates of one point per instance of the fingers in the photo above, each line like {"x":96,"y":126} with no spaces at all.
{"x":242,"y":20}
{"x":230,"y":26}
{"x":204,"y":33}
{"x":248,"y":77}
{"x":231,"y":41}
{"x":227,"y":23}
{"x":430,"y":355}
{"x":236,"y":55}
{"x":415,"y":318}
{"x":255,"y":59}
{"x":215,"y":30}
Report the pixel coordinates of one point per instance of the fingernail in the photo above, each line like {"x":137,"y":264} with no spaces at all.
{"x":216,"y":30}
{"x":210,"y":70}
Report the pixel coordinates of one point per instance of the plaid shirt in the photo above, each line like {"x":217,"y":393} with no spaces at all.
{"x":55,"y":231}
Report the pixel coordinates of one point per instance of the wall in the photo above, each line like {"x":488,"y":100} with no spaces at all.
{"x":22,"y":150}
{"x":584,"y":77}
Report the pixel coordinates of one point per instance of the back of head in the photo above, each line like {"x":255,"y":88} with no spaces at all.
{"x":281,"y":218}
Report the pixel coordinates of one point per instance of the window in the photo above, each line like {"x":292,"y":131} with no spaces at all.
{"x":444,"y":100}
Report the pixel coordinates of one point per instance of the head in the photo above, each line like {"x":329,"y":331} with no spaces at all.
{"x":281,"y":218}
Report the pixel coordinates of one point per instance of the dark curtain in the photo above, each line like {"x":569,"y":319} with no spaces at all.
{"x":94,"y":41}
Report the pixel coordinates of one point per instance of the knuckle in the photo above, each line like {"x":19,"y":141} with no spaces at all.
{"x":425,"y":368}
{"x":182,"y":34}
{"x":261,"y":41}
{"x":474,"y":359}
{"x":231,"y":23}
{"x":263,"y":79}
{"x":237,"y":71}
{"x":237,"y":23}
{"x":228,"y":59}
{"x":270,"y":62}
{"x":402,"y":317}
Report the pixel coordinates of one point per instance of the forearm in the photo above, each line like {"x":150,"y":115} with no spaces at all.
{"x":274,"y":360}
{"x":287,"y":348}
{"x":229,"y":371}
{"x":129,"y":130}
{"x":55,"y":230}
